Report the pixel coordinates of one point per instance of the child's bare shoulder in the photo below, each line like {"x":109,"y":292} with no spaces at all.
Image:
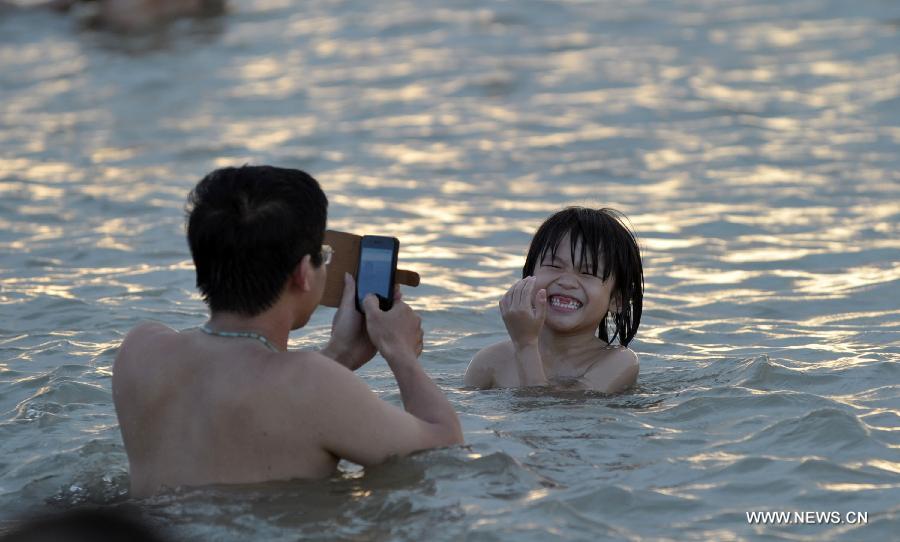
{"x":615,"y":370}
{"x":497,"y":352}
{"x":487,"y":363}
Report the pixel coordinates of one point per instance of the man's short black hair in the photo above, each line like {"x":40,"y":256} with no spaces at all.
{"x":248,"y":228}
{"x":604,"y":238}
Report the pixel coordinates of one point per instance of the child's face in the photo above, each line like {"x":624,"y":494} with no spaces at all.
{"x":576,"y":300}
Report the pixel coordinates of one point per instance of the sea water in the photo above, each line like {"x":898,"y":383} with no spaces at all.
{"x":753,"y":145}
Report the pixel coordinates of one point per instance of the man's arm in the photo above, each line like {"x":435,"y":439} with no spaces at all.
{"x":358,"y":426}
{"x":398,"y":335}
{"x":354,"y":424}
{"x":424,"y":400}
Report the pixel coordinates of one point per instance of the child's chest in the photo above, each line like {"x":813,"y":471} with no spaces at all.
{"x":584,"y":370}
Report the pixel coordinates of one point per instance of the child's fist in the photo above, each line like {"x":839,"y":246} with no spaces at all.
{"x":523,"y":311}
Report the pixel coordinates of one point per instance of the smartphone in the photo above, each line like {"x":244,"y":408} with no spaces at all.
{"x":377,"y":270}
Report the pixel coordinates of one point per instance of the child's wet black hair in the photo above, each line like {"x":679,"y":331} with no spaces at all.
{"x":604,"y":239}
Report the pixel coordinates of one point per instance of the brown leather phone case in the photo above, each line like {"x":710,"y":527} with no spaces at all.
{"x":346,"y":260}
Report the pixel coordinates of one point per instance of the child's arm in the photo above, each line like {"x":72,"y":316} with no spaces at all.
{"x":530,"y":366}
{"x":523,"y":313}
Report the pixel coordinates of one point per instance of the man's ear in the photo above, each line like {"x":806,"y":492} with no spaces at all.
{"x":301,"y":276}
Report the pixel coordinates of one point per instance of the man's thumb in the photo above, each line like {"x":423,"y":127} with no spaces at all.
{"x":370,"y":304}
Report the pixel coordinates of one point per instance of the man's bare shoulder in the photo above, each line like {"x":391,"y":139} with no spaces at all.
{"x":144,"y":337}
{"x":309,"y":377}
{"x":615,"y":371}
{"x":147,"y":331}
{"x":310,"y":366}
{"x":149,"y":328}
{"x":487,"y":363}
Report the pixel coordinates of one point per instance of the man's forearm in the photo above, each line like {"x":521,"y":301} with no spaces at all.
{"x":423,"y":399}
{"x":531,"y":368}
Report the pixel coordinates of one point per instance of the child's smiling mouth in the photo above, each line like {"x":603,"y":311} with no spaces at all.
{"x":564,"y":303}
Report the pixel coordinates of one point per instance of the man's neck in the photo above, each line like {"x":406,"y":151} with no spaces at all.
{"x":272,"y":325}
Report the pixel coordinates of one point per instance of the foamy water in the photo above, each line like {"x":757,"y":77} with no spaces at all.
{"x":753,"y":145}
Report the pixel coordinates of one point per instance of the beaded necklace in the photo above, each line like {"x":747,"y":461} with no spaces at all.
{"x":240,"y":335}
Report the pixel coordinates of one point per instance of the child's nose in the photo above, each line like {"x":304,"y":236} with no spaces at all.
{"x":567,"y":280}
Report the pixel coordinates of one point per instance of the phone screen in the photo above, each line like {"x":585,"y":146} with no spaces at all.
{"x":375,"y":273}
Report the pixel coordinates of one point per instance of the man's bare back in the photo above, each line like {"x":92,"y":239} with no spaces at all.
{"x":198,"y":408}
{"x":202,"y":410}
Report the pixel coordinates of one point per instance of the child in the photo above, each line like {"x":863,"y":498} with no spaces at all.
{"x":583,"y":272}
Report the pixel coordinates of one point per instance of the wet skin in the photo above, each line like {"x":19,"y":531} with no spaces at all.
{"x":552,"y":318}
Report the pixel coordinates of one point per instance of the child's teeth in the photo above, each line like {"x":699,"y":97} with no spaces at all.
{"x":565,"y":304}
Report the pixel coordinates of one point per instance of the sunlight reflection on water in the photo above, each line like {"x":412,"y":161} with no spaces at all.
{"x":753,"y":146}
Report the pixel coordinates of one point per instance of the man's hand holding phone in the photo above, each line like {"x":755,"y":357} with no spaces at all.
{"x":350,"y":344}
{"x":397,"y":333}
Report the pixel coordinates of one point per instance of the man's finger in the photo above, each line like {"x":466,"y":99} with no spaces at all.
{"x":370,"y":304}
{"x":349,"y":291}
{"x":398,"y":295}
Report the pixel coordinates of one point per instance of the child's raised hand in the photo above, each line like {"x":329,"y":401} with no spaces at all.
{"x":523,"y":312}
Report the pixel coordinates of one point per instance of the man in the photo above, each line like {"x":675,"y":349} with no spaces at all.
{"x":227,"y":402}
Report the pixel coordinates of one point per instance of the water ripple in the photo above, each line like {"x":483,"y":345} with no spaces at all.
{"x":751,"y":144}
